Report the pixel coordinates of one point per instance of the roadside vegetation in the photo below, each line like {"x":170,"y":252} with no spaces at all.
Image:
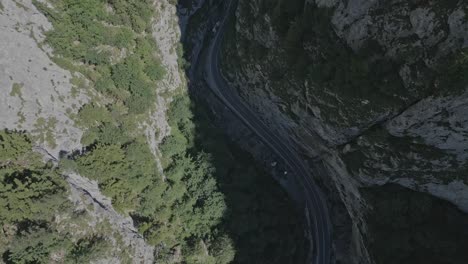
{"x":261,"y":221}
{"x":110,"y":43}
{"x":212,"y":205}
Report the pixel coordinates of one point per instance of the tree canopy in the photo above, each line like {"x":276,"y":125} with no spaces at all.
{"x":32,"y":195}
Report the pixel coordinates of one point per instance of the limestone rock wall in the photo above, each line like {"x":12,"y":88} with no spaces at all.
{"x":374,"y":89}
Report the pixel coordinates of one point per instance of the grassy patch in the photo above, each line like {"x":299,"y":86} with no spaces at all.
{"x":16,"y":90}
{"x":45,"y":130}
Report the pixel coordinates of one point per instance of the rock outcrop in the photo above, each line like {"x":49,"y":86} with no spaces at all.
{"x":37,"y":95}
{"x":40,"y":96}
{"x":374,"y":89}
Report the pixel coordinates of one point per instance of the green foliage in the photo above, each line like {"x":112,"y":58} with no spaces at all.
{"x":123,"y":172}
{"x":29,"y":190}
{"x":139,"y":103}
{"x":125,"y":73}
{"x":187,"y":208}
{"x":123,"y":38}
{"x":35,"y":246}
{"x":105,"y":85}
{"x":103,"y":162}
{"x":96,"y":57}
{"x":91,"y":115}
{"x":254,"y":219}
{"x":175,"y":144}
{"x":89,"y":137}
{"x":135,"y":13}
{"x":223,"y":250}
{"x":13,"y":147}
{"x":129,"y":75}
{"x":32,"y":194}
{"x":180,"y":117}
{"x":190,"y":200}
{"x":180,"y":112}
{"x":16,"y":90}
{"x":88,"y":249}
{"x":183,"y":64}
{"x":75,"y":28}
{"x":83,"y":30}
{"x":111,"y":134}
{"x":188,"y":205}
{"x":155,"y":70}
{"x":46,"y":129}
{"x":181,"y":138}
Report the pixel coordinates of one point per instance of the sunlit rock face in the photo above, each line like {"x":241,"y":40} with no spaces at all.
{"x":37,"y":95}
{"x":375,"y":89}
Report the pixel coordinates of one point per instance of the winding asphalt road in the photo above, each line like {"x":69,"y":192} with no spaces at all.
{"x":318,"y":219}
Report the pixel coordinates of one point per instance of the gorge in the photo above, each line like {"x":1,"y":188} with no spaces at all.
{"x":235,"y":131}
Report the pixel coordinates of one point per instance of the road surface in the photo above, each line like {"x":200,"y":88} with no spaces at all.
{"x":317,"y":212}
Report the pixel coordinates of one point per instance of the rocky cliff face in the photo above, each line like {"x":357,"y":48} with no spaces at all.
{"x":42,"y":97}
{"x":37,"y":95}
{"x":374,"y":89}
